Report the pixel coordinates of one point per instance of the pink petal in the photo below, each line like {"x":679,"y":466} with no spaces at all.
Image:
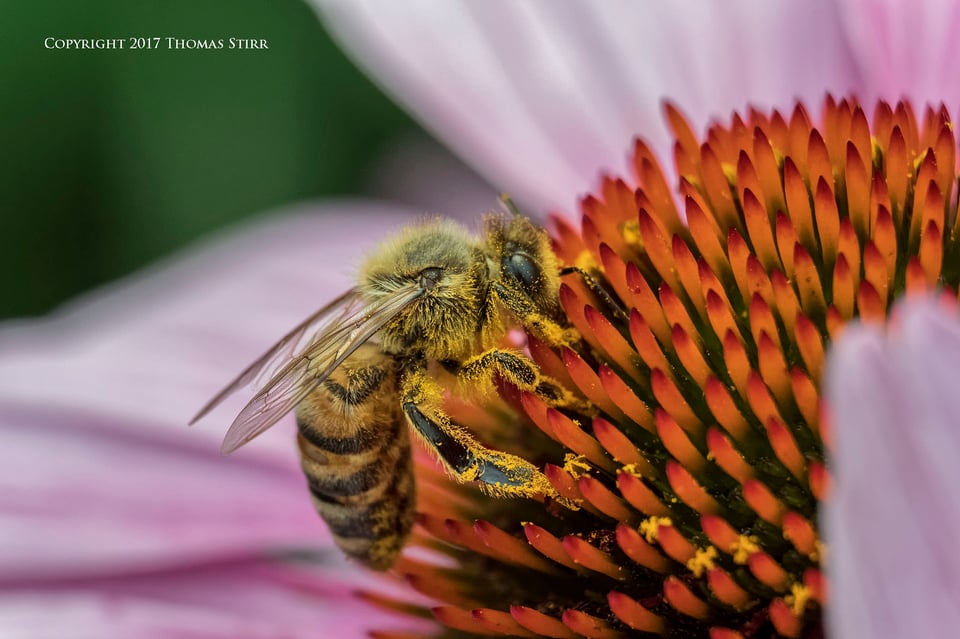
{"x":893,"y":520}
{"x":99,"y":472}
{"x":252,"y":600}
{"x":905,"y":48}
{"x":419,"y":172}
{"x":154,"y":347}
{"x":542,"y":96}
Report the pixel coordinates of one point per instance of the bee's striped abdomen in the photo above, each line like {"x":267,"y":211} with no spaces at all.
{"x":355,"y":452}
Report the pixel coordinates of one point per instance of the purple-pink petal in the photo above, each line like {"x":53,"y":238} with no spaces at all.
{"x":905,"y":49}
{"x":105,"y":492}
{"x":243,"y":600}
{"x":78,"y":496}
{"x":893,"y":519}
{"x":542,"y":96}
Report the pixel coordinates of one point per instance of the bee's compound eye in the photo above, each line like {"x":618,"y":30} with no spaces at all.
{"x":521,"y":268}
{"x":429,"y":277}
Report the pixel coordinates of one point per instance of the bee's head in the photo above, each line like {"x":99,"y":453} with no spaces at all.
{"x":528,"y":266}
{"x":443,"y":261}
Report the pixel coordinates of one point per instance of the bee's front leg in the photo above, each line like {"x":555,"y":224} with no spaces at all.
{"x":535,"y":319}
{"x":519,"y":370}
{"x":499,"y":474}
{"x":591,"y":282}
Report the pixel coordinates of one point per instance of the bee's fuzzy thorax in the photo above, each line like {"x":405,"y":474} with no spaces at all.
{"x":442,"y":323}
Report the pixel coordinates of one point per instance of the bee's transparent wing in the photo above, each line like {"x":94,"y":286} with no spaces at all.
{"x":287,"y":349}
{"x":301,"y":375}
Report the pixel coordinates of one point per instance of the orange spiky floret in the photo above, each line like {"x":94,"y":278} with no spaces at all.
{"x":699,"y":468}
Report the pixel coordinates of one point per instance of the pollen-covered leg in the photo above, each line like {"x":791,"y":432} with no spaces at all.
{"x":499,"y":474}
{"x":519,"y":370}
{"x":533,"y":319}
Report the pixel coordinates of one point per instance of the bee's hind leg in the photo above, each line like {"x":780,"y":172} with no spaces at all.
{"x":499,"y":474}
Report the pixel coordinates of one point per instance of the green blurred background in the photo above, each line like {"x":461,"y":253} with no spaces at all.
{"x":110,"y":159}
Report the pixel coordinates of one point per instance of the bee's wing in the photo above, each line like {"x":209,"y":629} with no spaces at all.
{"x":288,"y":348}
{"x":301,"y":375}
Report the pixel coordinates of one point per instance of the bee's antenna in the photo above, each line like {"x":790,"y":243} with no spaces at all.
{"x":508,"y":203}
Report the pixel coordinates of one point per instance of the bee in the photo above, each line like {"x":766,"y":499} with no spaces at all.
{"x":361,"y":374}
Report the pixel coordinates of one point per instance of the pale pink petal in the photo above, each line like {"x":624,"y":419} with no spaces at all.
{"x":252,"y":600}
{"x":894,"y":516}
{"x":541,"y":96}
{"x":79,"y":496}
{"x":99,"y":472}
{"x":418,"y":172}
{"x":905,"y":49}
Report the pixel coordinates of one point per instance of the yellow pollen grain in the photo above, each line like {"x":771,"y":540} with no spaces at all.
{"x":730,"y":172}
{"x":746,"y":545}
{"x":631,"y":233}
{"x":650,"y":527}
{"x":876,"y":149}
{"x":918,"y":161}
{"x":631,"y":469}
{"x":576,"y":465}
{"x":820,"y":551}
{"x":558,"y":335}
{"x":702,"y":561}
{"x":798,"y":598}
{"x":585,"y":261}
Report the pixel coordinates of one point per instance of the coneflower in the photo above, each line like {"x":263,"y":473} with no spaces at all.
{"x":705,"y":309}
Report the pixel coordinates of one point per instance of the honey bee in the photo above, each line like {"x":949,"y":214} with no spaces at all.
{"x":362,"y":369}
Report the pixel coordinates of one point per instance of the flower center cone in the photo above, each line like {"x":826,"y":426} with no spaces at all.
{"x":706,"y":310}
